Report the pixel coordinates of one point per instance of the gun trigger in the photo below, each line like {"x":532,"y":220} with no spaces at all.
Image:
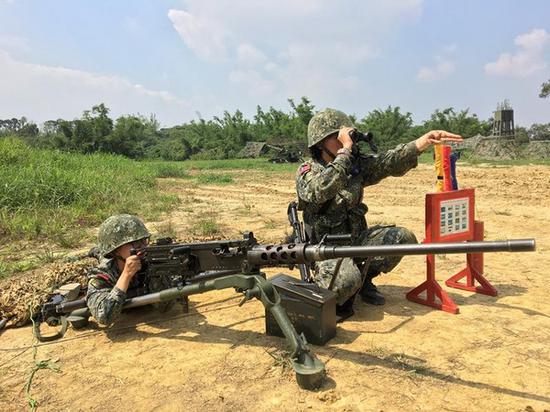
{"x":243,"y":301}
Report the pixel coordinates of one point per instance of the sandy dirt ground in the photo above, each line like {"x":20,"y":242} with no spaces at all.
{"x":494,"y":355}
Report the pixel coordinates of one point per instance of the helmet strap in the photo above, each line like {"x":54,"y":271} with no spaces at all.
{"x":328,"y":152}
{"x":120,"y":259}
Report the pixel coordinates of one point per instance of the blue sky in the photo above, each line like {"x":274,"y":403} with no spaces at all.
{"x":185,"y":59}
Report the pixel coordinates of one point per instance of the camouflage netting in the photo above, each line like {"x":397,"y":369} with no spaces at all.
{"x":470,"y":142}
{"x":538,"y":149}
{"x":497,"y":148}
{"x":18,"y":292}
{"x":253,"y":150}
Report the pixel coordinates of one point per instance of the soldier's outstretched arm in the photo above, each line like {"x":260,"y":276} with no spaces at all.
{"x":436,"y":137}
{"x":394,"y":162}
{"x":404,"y":157}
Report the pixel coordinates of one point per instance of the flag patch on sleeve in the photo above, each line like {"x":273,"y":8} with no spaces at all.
{"x":304,"y":169}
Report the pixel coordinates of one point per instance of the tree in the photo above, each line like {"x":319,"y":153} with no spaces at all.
{"x":132,"y":136}
{"x":102,"y":124}
{"x":545,"y":89}
{"x":304,"y":110}
{"x":521,"y":135}
{"x":170,"y":145}
{"x":389,"y":127}
{"x":462,"y":123}
{"x":539,"y":132}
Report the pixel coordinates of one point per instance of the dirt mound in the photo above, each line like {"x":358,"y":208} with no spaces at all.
{"x":497,"y":148}
{"x":471,"y":142}
{"x":35,"y":288}
{"x":538,"y":149}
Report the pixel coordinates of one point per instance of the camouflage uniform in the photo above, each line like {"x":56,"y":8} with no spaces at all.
{"x":331,"y":198}
{"x":103,"y":298}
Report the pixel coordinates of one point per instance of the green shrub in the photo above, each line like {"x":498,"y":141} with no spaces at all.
{"x":169,"y":169}
{"x":52,"y":194}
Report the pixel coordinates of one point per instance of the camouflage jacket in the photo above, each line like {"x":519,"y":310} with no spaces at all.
{"x":331,"y":195}
{"x":104,"y":299}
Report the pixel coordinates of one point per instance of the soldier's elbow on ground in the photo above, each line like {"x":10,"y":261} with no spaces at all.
{"x":103,"y":319}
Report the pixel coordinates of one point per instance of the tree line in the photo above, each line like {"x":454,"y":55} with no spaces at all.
{"x":223,"y":137}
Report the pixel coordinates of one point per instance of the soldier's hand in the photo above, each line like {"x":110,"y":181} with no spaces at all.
{"x":132,"y":266}
{"x":344,"y":137}
{"x":436,"y":137}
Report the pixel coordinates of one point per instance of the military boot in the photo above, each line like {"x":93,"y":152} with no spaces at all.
{"x":345,"y":310}
{"x":370,"y":294}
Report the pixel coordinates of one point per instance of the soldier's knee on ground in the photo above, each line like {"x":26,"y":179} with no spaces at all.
{"x":392,"y":236}
{"x":348,"y":279}
{"x":399,"y":236}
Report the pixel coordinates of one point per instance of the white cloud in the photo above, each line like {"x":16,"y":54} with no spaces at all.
{"x":42,"y":92}
{"x":255,"y":83}
{"x":201,"y":33}
{"x":249,"y":55}
{"x":288,"y":47}
{"x":441,"y":70}
{"x":443,"y":67}
{"x":528,"y":58}
{"x":14,"y":43}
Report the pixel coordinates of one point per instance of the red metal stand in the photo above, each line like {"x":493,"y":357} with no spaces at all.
{"x":433,"y":291}
{"x":450,"y":217}
{"x":473,"y":270}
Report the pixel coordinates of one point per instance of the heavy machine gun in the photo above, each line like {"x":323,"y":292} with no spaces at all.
{"x":183,"y":269}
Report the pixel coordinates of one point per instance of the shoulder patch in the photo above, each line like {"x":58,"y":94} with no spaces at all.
{"x":103,"y":276}
{"x":99,"y":283}
{"x":100,"y":280}
{"x":304,"y":169}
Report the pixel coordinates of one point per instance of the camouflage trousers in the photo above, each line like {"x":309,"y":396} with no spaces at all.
{"x":349,"y":279}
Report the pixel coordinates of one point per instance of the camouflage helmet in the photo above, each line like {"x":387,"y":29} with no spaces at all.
{"x":118,"y":230}
{"x":325,"y":123}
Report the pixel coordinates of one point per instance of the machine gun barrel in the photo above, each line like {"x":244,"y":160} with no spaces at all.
{"x":273,"y":255}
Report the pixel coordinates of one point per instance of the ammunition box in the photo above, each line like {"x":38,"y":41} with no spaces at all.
{"x":310,"y":308}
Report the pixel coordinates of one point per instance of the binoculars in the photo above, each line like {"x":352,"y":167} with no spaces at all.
{"x":368,"y":138}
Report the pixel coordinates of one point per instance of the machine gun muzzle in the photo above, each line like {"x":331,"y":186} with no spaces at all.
{"x":288,"y":254}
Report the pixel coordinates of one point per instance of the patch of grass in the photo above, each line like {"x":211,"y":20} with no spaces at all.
{"x":68,"y":239}
{"x":48,"y":256}
{"x":54,"y":195}
{"x":206,"y":225}
{"x":426,"y":157}
{"x":169,"y":169}
{"x":281,"y":359}
{"x":378,"y":352}
{"x":246,"y":207}
{"x":10,"y":268}
{"x":411,"y":365}
{"x":214,"y":179}
{"x":271,"y":224}
{"x":166,"y":229}
{"x":240,"y":164}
